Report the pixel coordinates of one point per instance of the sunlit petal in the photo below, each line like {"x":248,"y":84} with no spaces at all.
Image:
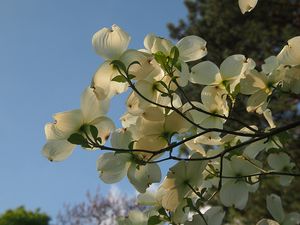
{"x":247,"y":5}
{"x":57,"y":150}
{"x":110,"y":43}
{"x":191,"y":48}
{"x":142,"y":176}
{"x":274,"y":206}
{"x":204,"y":73}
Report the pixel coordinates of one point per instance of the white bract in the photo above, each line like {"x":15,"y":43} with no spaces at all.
{"x":290,"y":54}
{"x":247,"y":5}
{"x":111,"y":43}
{"x":275,"y":208}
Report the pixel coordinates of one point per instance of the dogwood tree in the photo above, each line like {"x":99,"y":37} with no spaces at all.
{"x":221,"y":161}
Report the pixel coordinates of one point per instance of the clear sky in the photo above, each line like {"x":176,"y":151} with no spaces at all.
{"x":46,"y":61}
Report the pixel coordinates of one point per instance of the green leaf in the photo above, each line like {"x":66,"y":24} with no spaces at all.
{"x":153,"y":220}
{"x":85,"y":145}
{"x":163,"y":212}
{"x":77,"y":139}
{"x":130,"y":145}
{"x":174,"y":54}
{"x":209,"y":176}
{"x":284,"y":137}
{"x":190,"y":204}
{"x":130,"y":76}
{"x":174,"y":78}
{"x":212,"y":168}
{"x":163,"y":84}
{"x":160,"y":57}
{"x":203,"y":191}
{"x":99,"y":140}
{"x":120,"y":79}
{"x":199,"y":203}
{"x":178,"y":66}
{"x":94,"y":132}
{"x":237,"y":90}
{"x":119,"y":65}
{"x":274,"y":150}
{"x":164,"y":95}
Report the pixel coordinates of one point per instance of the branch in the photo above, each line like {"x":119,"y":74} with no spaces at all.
{"x":265,"y":135}
{"x":132,"y":86}
{"x":209,"y":113}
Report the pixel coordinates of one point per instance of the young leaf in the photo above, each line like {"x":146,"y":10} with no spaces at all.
{"x":85,"y":145}
{"x":77,"y":139}
{"x":120,"y":79}
{"x":174,"y":54}
{"x":164,"y":95}
{"x":190,"y":204}
{"x":99,"y":140}
{"x":130,"y":145}
{"x":163,"y":212}
{"x":163,"y":84}
{"x":178,"y":66}
{"x":160,"y":58}
{"x":130,"y":76}
{"x":94,"y":131}
{"x":119,"y":64}
{"x":153,"y":220}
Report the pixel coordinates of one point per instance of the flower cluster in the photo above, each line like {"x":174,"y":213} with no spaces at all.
{"x":159,"y":118}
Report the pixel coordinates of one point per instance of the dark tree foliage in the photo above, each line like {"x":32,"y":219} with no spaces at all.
{"x":258,"y":34}
{"x":21,"y":216}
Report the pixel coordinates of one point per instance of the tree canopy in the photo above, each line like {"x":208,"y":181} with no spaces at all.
{"x":21,"y":216}
{"x":258,"y":34}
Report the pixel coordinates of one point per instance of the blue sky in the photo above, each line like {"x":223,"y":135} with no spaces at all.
{"x":46,"y":61}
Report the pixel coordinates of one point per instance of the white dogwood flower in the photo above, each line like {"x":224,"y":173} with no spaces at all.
{"x":113,"y":167}
{"x":235,"y":191}
{"x":91,"y":112}
{"x":281,"y":162}
{"x":180,"y":178}
{"x":230,"y":72}
{"x":190,"y":48}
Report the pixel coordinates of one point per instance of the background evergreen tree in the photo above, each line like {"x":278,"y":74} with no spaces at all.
{"x":258,"y":34}
{"x":21,"y":216}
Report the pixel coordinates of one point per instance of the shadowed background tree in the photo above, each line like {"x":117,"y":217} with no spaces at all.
{"x":21,"y":216}
{"x":258,"y":34}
